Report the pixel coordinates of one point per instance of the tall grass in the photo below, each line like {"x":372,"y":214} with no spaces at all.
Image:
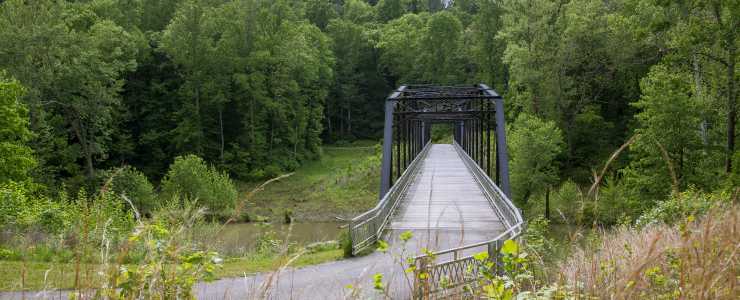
{"x":691,"y":260}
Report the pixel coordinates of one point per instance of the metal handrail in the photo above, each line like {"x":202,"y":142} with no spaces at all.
{"x":445,"y":270}
{"x":366,"y":229}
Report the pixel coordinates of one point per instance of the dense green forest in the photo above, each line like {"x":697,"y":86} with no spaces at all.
{"x":255,"y":87}
{"x":616,"y":110}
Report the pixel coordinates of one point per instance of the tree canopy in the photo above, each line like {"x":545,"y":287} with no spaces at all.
{"x":255,"y":87}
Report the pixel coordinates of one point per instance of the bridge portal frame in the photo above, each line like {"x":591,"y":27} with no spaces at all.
{"x":475,"y":112}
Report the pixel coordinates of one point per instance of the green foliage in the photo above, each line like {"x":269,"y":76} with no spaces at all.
{"x":22,"y":209}
{"x":16,"y":158}
{"x":423,"y":48}
{"x":71,"y":60}
{"x":189,"y":177}
{"x":669,"y":147}
{"x":320,"y":12}
{"x":131,"y":183}
{"x":690,"y":203}
{"x":357,"y":83}
{"x":169,"y":268}
{"x":443,"y":63}
{"x":536,"y":237}
{"x":345,"y":243}
{"x":534,"y":144}
{"x":390,"y":9}
{"x":399,"y":43}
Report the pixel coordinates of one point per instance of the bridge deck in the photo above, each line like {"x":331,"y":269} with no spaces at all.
{"x":444,"y":205}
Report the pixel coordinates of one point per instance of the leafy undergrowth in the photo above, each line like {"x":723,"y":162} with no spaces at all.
{"x":342,"y":183}
{"x":34,"y":276}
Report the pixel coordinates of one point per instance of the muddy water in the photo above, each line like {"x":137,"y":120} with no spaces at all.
{"x":241,"y":238}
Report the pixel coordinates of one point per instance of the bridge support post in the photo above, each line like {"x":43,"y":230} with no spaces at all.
{"x":385,"y":168}
{"x":502,"y":156}
{"x":386,"y":164}
{"x":501,"y":149}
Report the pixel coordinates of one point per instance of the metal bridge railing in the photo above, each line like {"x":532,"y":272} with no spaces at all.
{"x":365,"y":229}
{"x":447,"y":272}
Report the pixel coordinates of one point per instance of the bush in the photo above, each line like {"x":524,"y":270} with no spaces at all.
{"x":21,"y":209}
{"x":345,"y":243}
{"x":614,"y":203}
{"x":135,"y":186}
{"x":565,"y":204}
{"x":190,"y":177}
{"x":689,"y":203}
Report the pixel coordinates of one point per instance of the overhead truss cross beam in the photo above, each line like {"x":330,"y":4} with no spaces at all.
{"x":476,"y":113}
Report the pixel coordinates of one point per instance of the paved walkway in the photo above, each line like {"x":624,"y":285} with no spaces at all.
{"x":444,"y":207}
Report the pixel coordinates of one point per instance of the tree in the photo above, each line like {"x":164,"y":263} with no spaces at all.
{"x":16,"y":158}
{"x":72,"y":63}
{"x":187,"y":41}
{"x":486,"y":50}
{"x":356,"y":82}
{"x":534,"y":145}
{"x":667,"y":152}
{"x":129,"y":182}
{"x":320,"y":12}
{"x":442,"y":61}
{"x":705,"y":35}
{"x":400,"y":46}
{"x":390,"y":9}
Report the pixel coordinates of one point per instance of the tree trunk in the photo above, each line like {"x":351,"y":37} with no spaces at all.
{"x":731,"y":107}
{"x":197,"y":120}
{"x":349,"y":122}
{"x":221,"y":131}
{"x":699,"y":96}
{"x":547,"y":204}
{"x":85,"y":147}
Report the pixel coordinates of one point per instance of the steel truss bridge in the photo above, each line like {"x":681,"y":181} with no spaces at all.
{"x":454,"y":198}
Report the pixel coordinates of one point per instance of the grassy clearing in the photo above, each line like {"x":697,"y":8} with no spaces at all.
{"x":34,"y":276}
{"x":342,"y":183}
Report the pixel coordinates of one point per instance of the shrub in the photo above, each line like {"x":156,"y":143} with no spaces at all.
{"x":168,"y":267}
{"x":135,"y":186}
{"x":612,"y":203}
{"x":190,"y":177}
{"x":345,"y":243}
{"x":21,"y":209}
{"x":689,"y":203}
{"x":565,"y":204}
{"x":101,"y":218}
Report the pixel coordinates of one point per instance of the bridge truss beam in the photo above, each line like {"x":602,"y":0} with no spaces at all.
{"x":476,"y":113}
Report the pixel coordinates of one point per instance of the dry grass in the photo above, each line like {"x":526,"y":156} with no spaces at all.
{"x":693,"y":260}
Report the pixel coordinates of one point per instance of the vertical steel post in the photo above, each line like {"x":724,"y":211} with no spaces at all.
{"x":406,"y":144}
{"x":397,"y":133}
{"x":501,"y":146}
{"x":488,"y":138}
{"x":502,"y":157}
{"x":385,"y":168}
